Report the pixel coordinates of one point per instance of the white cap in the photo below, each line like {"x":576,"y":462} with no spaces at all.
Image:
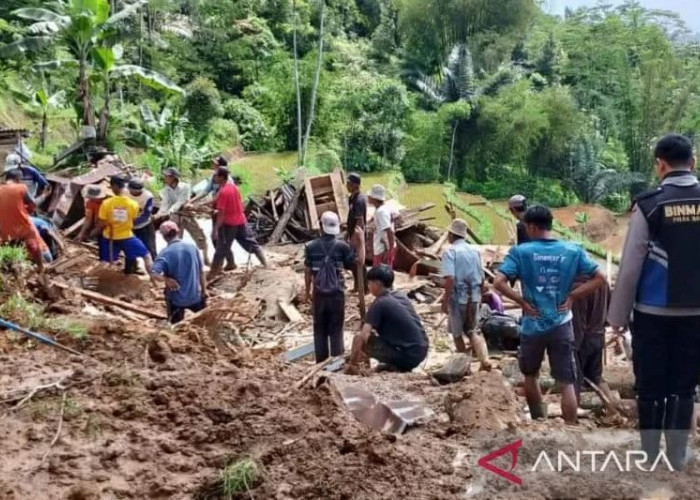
{"x":378,"y":192}
{"x":330,"y":223}
{"x":12,"y":162}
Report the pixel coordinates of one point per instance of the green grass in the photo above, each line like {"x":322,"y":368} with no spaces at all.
{"x":31,"y":315}
{"x":260,"y":169}
{"x":239,"y":476}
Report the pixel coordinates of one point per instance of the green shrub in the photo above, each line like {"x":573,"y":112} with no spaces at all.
{"x":255,"y":134}
{"x":223,"y":134}
{"x":202,"y":103}
{"x":325,"y":161}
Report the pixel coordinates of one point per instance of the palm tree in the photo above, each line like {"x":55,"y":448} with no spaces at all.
{"x":82,"y":26}
{"x":455,"y":83}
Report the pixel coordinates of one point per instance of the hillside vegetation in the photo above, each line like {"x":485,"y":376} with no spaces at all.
{"x":492,"y":97}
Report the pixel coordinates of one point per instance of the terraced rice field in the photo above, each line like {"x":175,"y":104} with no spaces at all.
{"x":482,"y":216}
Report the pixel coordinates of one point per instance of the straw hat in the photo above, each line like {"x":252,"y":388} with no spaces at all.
{"x":94,"y":192}
{"x":458,"y":228}
{"x":378,"y":192}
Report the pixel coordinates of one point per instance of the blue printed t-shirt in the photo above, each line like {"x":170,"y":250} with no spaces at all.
{"x":34,"y":180}
{"x":463,"y":263}
{"x":181,"y":261}
{"x":41,"y":225}
{"x":547,"y":269}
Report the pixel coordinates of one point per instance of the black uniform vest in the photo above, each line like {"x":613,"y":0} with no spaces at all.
{"x":673,"y":215}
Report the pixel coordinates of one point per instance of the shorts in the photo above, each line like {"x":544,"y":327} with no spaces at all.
{"x":386,"y":258}
{"x":404,"y":359}
{"x":133,"y":248}
{"x":559,"y":344}
{"x":458,"y":323}
{"x":590,"y":358}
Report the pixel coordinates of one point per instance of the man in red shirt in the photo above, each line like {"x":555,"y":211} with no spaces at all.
{"x":231,"y":224}
{"x":16,"y":225}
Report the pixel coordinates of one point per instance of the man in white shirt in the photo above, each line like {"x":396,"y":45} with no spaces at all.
{"x":384,"y":237}
{"x":175,"y":196}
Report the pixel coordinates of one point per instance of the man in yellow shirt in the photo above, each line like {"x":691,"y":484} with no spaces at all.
{"x":116,"y":222}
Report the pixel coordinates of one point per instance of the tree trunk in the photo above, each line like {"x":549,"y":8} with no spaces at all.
{"x":44,"y":129}
{"x":84,"y":91}
{"x":452,"y":150}
{"x":296,"y":82}
{"x":103,"y":127}
{"x":314,"y":89}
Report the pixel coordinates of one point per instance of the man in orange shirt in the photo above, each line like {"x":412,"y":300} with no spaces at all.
{"x":16,"y":225}
{"x":94,"y":195}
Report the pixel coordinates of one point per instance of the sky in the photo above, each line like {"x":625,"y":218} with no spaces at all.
{"x":688,"y":9}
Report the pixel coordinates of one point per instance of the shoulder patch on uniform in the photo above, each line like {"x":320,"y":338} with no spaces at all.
{"x":647,"y":194}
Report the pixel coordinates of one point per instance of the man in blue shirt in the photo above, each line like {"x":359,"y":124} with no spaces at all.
{"x":180,"y":267}
{"x":464,"y":276}
{"x":37,"y":185}
{"x":547,"y":268}
{"x":51,"y":237}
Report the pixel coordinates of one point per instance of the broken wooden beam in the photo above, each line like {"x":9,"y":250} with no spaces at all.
{"x":287,"y":215}
{"x":103,"y":299}
{"x":291,"y":312}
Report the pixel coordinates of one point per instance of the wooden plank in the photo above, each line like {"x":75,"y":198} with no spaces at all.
{"x":292,"y":313}
{"x":341,"y":195}
{"x":299,"y":352}
{"x":311,"y":204}
{"x":288,"y":212}
{"x":74,"y":228}
{"x":98,"y":297}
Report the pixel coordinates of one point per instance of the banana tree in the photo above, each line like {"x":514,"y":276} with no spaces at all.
{"x":44,"y":99}
{"x":78,"y":25}
{"x":105,"y":61}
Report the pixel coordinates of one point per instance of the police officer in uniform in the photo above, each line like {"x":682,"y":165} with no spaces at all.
{"x":659,"y":278}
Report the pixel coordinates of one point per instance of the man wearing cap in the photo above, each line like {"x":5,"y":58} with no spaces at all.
{"x":143,"y":224}
{"x":94,"y":195}
{"x":175,"y":196}
{"x":231,"y":224}
{"x":517,"y":205}
{"x":37,"y":185}
{"x":384,"y":243}
{"x":547,"y":269}
{"x":16,"y":204}
{"x":212,"y":188}
{"x":116,"y":221}
{"x":356,"y":226}
{"x":393,"y":333}
{"x":181,"y":268}
{"x":325,"y":259}
{"x":464,"y":278}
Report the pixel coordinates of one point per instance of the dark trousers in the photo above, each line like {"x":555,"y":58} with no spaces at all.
{"x":223,"y":251}
{"x":589,"y":358}
{"x":147,"y":235}
{"x":666,"y":355}
{"x":329,"y":318}
{"x":177,"y":313}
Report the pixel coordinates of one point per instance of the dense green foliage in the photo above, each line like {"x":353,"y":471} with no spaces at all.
{"x":495,"y":97}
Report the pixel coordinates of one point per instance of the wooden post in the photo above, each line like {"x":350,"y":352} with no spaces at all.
{"x":360,"y":285}
{"x":291,"y":208}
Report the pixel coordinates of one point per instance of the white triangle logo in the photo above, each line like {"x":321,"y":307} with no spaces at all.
{"x":539,"y":288}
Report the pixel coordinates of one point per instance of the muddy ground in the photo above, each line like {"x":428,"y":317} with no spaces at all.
{"x":160,"y":413}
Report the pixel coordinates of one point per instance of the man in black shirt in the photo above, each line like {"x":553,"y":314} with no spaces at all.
{"x":356,"y":224}
{"x":325,"y":259}
{"x":400,"y":340}
{"x":518,"y":206}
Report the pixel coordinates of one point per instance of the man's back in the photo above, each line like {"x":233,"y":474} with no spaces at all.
{"x":463,"y":262}
{"x":590,"y":312}
{"x":14,"y":222}
{"x":340,"y":253}
{"x":119,"y":212}
{"x":229,"y":203}
{"x":390,"y":316}
{"x":547,"y":269}
{"x":181,"y":261}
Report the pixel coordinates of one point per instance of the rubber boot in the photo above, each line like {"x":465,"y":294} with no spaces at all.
{"x":679,"y":414}
{"x":538,"y":411}
{"x":481,"y":352}
{"x":651,"y":421}
{"x":261,"y":257}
